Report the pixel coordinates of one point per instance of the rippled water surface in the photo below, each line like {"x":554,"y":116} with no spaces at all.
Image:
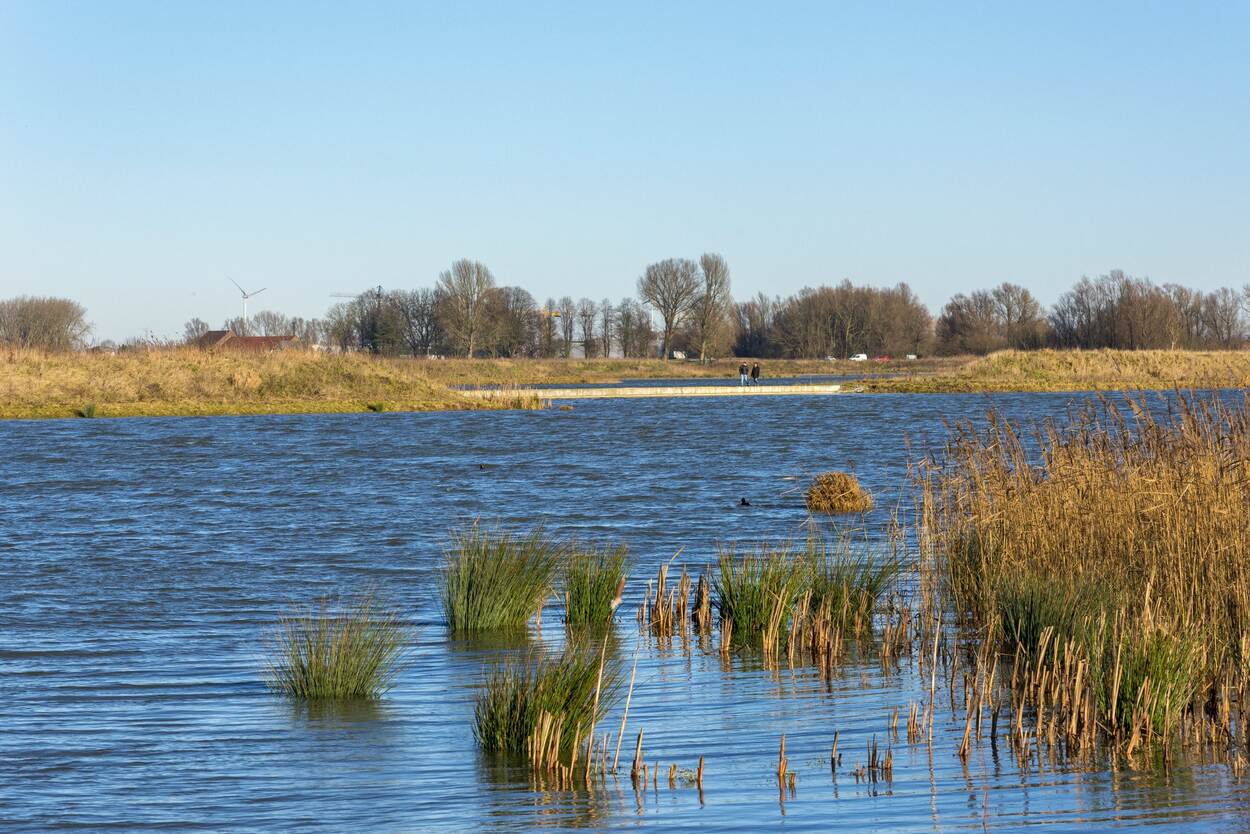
{"x":144,"y":560}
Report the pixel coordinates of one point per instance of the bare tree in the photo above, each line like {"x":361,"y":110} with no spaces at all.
{"x":43,"y":322}
{"x":710,"y":309}
{"x":568,"y":324}
{"x":547,"y":330}
{"x":1221,"y":315}
{"x":587,"y":313}
{"x":194,"y":330}
{"x":417,"y":311}
{"x":671,"y":287}
{"x":465,"y":293}
{"x":269,"y":323}
{"x":513,"y":322}
{"x":607,"y":320}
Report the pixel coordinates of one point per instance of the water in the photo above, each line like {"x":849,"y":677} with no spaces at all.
{"x":145,"y":558}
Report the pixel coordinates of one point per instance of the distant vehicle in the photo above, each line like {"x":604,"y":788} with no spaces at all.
{"x":885,"y":357}
{"x":679,"y":354}
{"x":911,"y":356}
{"x":831,"y":359}
{"x":859,"y":357}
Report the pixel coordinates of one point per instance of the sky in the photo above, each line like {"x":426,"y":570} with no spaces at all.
{"x":151,"y":151}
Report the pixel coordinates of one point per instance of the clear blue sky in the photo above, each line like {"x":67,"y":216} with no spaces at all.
{"x":150,"y":150}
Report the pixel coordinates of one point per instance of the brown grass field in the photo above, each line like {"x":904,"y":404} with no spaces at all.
{"x":1075,"y":370}
{"x":187,"y":381}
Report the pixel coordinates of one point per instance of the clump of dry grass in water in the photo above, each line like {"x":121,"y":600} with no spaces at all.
{"x":837,"y":492}
{"x":1115,"y":562}
{"x":339,"y":650}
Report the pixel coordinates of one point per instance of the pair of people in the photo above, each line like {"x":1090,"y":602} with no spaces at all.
{"x":753,"y":373}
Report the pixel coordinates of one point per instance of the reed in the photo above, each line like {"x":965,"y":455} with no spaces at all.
{"x":593,"y":583}
{"x":850,"y":581}
{"x":754,"y":593}
{"x":495,"y":581}
{"x":837,"y":492}
{"x":338,"y":650}
{"x":1115,"y":559}
{"x":539,"y":705}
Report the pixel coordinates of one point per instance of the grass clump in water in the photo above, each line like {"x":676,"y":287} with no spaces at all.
{"x":541,"y":696}
{"x":87,"y":411}
{"x":376,"y":407}
{"x":848,"y":584}
{"x":754,"y":594}
{"x":493,"y":581}
{"x":837,"y":492}
{"x":593,"y":582}
{"x":336,"y":651}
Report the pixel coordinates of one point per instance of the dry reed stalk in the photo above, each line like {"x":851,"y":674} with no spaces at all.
{"x":782,"y":764}
{"x":639,"y":765}
{"x":702,"y":614}
{"x":625,"y":715}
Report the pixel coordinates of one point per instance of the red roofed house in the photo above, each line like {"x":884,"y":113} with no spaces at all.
{"x":229,"y":340}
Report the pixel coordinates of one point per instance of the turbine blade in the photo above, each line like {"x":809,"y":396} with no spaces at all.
{"x":259,"y":291}
{"x":236,"y":283}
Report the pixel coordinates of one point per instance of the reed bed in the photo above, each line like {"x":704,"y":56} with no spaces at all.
{"x":594,"y":581}
{"x":338,"y":650}
{"x":665,"y":608}
{"x":495,"y":581}
{"x":1111,"y":558}
{"x":837,"y":492}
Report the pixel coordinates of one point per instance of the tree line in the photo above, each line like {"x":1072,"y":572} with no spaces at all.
{"x":687,"y":305}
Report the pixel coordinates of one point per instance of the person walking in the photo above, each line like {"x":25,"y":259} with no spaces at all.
{"x":742,"y":374}
{"x":755,"y":374}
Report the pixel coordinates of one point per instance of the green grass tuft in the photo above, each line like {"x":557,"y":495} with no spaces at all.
{"x":752,"y":590}
{"x":591,"y":581}
{"x":336,"y":651}
{"x":493,"y":581}
{"x":516,"y":693}
{"x":87,"y":411}
{"x":850,"y":582}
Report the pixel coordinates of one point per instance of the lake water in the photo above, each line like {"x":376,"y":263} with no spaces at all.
{"x":144,"y":560}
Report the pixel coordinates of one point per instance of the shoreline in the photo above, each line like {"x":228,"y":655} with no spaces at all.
{"x":193,"y":383}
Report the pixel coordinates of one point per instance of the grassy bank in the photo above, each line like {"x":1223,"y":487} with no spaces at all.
{"x":194,"y":382}
{"x":1074,"y":370}
{"x":523,"y":372}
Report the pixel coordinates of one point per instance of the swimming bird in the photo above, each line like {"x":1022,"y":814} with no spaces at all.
{"x":744,"y":503}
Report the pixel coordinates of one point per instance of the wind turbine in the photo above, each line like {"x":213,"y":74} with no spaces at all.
{"x":246,"y":295}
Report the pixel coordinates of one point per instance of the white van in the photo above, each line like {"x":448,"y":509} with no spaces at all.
{"x":860,"y":357}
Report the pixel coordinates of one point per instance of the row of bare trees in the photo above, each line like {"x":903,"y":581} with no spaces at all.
{"x":1112,"y":311}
